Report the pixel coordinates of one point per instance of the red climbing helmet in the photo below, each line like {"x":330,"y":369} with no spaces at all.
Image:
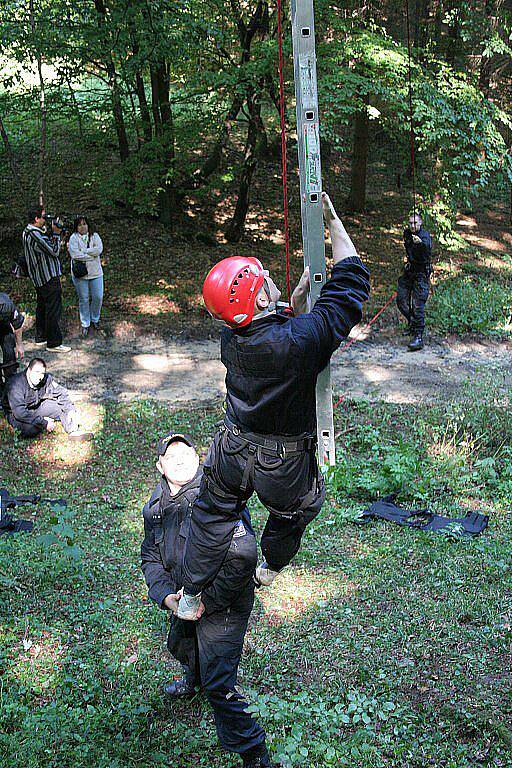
{"x":231,"y":287}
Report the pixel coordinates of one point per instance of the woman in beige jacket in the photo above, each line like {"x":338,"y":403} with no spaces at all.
{"x":85,"y":248}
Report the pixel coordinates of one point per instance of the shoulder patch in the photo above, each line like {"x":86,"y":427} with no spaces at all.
{"x":239,"y":530}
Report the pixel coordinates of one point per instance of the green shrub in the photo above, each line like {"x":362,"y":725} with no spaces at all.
{"x":467,"y":305}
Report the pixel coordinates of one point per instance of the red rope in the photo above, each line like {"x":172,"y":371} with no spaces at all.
{"x":411,"y":115}
{"x":284,"y":174}
{"x":356,"y":338}
{"x":368,"y":324}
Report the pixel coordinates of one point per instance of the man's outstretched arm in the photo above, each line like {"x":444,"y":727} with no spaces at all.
{"x":342,"y":245}
{"x":342,"y":248}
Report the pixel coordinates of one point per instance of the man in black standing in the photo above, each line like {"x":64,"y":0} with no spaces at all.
{"x":414,"y":283}
{"x":209,"y":648}
{"x":44,"y":269}
{"x":11,"y":341}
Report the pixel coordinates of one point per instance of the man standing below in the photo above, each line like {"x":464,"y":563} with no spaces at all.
{"x":209,"y":648}
{"x":11,"y":341}
{"x":267,"y":442}
{"x":33,"y":402}
{"x":44,"y":269}
{"x":414,"y":283}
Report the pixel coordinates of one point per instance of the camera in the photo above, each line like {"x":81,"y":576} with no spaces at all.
{"x":55,"y":222}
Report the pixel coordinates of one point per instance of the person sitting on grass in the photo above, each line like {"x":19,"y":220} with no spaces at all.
{"x":33,"y":402}
{"x":210,"y":647}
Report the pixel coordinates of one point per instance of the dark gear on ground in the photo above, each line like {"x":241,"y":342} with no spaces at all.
{"x":26,"y":408}
{"x":267,"y":444}
{"x":8,"y":502}
{"x":211,"y":647}
{"x":11,"y":320}
{"x":414,"y":284}
{"x":472,"y":524}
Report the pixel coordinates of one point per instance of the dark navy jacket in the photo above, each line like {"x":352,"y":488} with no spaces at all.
{"x":419,"y":255}
{"x":9,"y":315}
{"x":273,"y":363}
{"x":164,"y":545}
{"x":21,"y":401}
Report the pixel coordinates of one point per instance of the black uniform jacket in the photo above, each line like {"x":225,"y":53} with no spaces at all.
{"x":166,"y":527}
{"x":419,"y":255}
{"x":21,"y":400}
{"x":273,"y":363}
{"x":10,"y":316}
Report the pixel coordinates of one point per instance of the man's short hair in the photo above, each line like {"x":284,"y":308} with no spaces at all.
{"x":36,"y":360}
{"x":35,"y":212}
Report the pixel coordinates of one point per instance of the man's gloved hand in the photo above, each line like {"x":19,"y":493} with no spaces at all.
{"x":416,"y":239}
{"x":190,"y":607}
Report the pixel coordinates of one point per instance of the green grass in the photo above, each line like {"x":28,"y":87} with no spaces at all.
{"x":381,"y":647}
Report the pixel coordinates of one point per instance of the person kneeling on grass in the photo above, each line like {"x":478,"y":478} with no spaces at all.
{"x":210,"y":647}
{"x":33,"y":401}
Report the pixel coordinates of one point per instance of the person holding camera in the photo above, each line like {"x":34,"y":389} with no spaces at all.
{"x":85,"y":248}
{"x":41,"y":245}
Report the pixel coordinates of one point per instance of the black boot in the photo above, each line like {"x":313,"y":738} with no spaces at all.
{"x":183,"y":688}
{"x":416,"y":343}
{"x":259,"y":760}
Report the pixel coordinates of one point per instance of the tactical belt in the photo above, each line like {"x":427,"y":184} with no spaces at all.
{"x":280,"y":445}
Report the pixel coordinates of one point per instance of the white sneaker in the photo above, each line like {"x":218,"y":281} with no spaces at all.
{"x":60,"y":348}
{"x":264,"y":576}
{"x":80,"y":436}
{"x":40,"y":343}
{"x":188,"y":606}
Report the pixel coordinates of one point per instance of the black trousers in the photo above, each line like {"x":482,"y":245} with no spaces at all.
{"x":211,"y":649}
{"x":412,"y":294}
{"x":8,"y":346}
{"x":49,"y":313}
{"x":65,"y":413}
{"x":290,"y":487}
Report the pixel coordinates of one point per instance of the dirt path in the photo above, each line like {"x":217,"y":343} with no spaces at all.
{"x":191,"y":372}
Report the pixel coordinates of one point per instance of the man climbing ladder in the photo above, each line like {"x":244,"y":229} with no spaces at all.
{"x":267,"y":442}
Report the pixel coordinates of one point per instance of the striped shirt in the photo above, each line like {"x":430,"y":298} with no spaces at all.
{"x":42,"y":255}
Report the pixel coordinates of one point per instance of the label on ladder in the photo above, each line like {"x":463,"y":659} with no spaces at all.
{"x":312,"y":151}
{"x":308,"y":86}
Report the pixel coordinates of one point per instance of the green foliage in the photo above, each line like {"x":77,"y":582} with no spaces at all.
{"x":462,"y":445}
{"x":472,"y":305}
{"x":365,"y":671}
{"x":306,"y":730}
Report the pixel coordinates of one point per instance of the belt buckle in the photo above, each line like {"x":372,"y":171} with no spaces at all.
{"x":235,"y":430}
{"x":282,"y":451}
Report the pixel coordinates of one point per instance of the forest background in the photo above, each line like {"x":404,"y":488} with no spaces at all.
{"x":380,"y":647}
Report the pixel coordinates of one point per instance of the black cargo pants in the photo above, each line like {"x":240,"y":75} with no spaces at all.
{"x":211,"y":649}
{"x":412,"y":294}
{"x":289,"y":484}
